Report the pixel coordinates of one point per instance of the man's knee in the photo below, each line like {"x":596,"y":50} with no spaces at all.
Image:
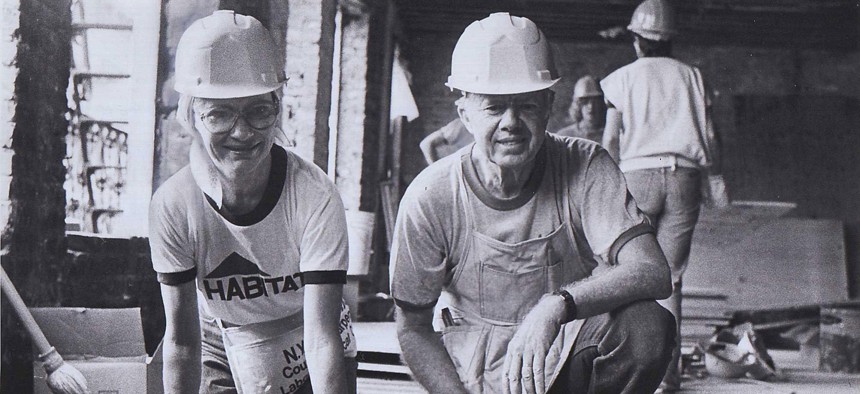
{"x":649,"y":332}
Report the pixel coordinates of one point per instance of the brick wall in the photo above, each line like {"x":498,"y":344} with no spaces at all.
{"x":351,"y":125}
{"x":33,"y":238}
{"x":307,"y":101}
{"x":8,"y":71}
{"x":9,"y":328}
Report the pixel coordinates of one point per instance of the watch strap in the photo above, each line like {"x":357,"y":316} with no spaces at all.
{"x":569,"y":305}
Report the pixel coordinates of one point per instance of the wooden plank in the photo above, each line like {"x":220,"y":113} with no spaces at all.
{"x":770,"y":263}
{"x":379,"y":337}
{"x":368,"y":385}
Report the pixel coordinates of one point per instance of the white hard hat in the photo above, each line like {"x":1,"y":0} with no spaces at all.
{"x":654,"y":20}
{"x":727,"y":360}
{"x":502,"y":54}
{"x":586,"y":86}
{"x":227,"y":55}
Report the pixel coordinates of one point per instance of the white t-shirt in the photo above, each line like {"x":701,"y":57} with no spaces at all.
{"x":254,"y":268}
{"x":663,"y":103}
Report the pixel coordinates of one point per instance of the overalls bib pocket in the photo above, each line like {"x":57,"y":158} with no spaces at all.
{"x":505,"y":295}
{"x":513,"y":277}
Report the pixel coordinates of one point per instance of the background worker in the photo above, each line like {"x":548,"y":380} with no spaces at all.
{"x":660,"y":131}
{"x":509,"y":233}
{"x":587,"y":111}
{"x":446,"y":140}
{"x":249,"y":241}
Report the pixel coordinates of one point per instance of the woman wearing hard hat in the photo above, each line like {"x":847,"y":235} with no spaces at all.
{"x":249,"y":240}
{"x":506,"y":235}
{"x":587,"y":111}
{"x":659,"y":129}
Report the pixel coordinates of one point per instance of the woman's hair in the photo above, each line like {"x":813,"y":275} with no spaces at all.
{"x":575,"y":111}
{"x":185,"y":112}
{"x":654,"y":48}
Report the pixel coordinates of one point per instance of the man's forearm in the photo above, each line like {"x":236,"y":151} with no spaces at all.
{"x":428,"y":360}
{"x":428,"y":148}
{"x":715,"y":148}
{"x":642,"y":274}
{"x":611,"y":133}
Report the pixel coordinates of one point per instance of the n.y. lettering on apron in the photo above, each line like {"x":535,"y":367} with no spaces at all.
{"x":296,"y":368}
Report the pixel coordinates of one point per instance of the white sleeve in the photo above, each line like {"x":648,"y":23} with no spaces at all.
{"x":168,"y":235}
{"x":324,"y":247}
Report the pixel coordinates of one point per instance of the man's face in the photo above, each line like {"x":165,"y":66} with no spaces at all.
{"x":237,"y":133}
{"x":509,"y":129}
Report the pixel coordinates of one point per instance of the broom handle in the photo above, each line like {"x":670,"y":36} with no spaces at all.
{"x":24,"y":314}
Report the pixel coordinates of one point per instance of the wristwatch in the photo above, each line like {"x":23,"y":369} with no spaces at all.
{"x":569,"y":305}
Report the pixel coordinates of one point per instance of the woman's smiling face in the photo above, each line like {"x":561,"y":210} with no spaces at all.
{"x":237,"y":133}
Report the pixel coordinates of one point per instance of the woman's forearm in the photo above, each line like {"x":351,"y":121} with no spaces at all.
{"x":324,"y":355}
{"x":181,"y":369}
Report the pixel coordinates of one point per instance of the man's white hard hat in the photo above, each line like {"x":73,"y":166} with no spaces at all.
{"x":502,"y":54}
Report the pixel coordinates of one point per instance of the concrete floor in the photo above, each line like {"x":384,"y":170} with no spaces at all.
{"x":795,"y":374}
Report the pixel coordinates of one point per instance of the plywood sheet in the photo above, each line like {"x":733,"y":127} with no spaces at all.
{"x":758,"y":259}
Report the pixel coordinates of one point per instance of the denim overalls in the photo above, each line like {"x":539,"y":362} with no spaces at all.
{"x":496,"y":284}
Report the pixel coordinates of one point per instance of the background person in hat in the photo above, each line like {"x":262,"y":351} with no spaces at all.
{"x":587,"y":111}
{"x":659,"y":129}
{"x":249,"y":240}
{"x":509,"y":234}
{"x":446,"y":140}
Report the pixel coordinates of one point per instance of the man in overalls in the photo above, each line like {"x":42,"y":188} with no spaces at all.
{"x":249,"y":240}
{"x":542,"y":270}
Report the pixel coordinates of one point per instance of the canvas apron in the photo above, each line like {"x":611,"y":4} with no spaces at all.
{"x":269,"y":356}
{"x":495,"y":286}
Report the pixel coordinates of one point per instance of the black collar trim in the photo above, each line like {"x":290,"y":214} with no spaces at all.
{"x":529,"y":189}
{"x":274,"y":188}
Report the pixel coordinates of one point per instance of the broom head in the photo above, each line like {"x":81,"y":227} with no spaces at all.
{"x":62,"y":377}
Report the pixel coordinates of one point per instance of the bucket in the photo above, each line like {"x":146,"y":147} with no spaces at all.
{"x":359,"y":228}
{"x":840,"y":339}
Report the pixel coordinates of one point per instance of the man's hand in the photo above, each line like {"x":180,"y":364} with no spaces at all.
{"x":717,"y":193}
{"x":525,"y":360}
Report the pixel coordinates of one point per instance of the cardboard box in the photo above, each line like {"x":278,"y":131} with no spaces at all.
{"x":106,"y":345}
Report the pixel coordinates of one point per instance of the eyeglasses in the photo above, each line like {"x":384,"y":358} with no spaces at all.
{"x":259,"y":116}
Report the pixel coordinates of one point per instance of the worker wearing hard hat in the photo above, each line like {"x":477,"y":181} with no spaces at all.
{"x":248,"y":240}
{"x":504,"y":238}
{"x":446,"y":140}
{"x":659,"y":129}
{"x":587,"y":111}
